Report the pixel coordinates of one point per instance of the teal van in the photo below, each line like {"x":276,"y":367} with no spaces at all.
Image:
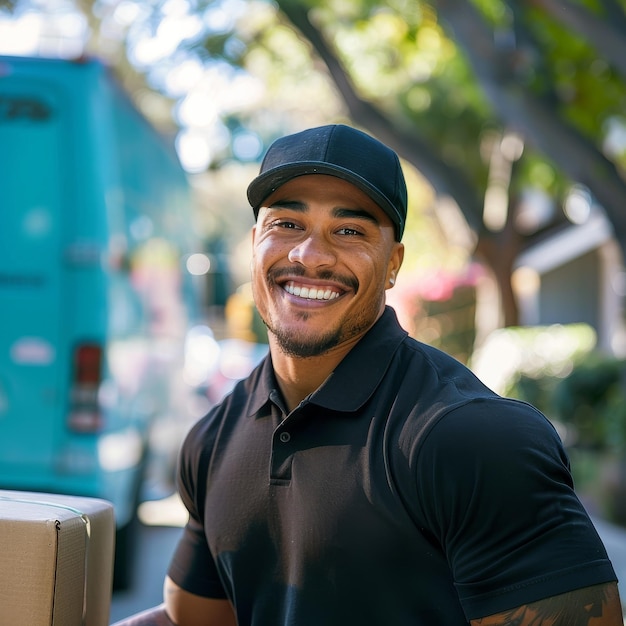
{"x":95,"y":302}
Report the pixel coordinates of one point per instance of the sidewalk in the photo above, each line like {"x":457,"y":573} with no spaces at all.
{"x":614,"y":538}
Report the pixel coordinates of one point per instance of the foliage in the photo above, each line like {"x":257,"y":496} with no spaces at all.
{"x":588,"y":403}
{"x":582,"y":391}
{"x":443,"y":82}
{"x":592,"y":401}
{"x":438,"y":307}
{"x":509,"y":358}
{"x":449,"y":324}
{"x":588,"y":407}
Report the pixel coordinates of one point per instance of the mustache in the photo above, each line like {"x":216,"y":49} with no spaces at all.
{"x":327,"y":275}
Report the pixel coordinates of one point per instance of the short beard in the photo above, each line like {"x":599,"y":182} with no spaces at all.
{"x":302,"y":349}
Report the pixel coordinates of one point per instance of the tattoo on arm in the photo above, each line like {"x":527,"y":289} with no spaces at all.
{"x":598,"y":605}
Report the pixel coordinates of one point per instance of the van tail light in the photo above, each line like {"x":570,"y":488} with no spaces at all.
{"x":84,"y":415}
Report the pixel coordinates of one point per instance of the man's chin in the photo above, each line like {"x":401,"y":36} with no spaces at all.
{"x":296,"y":344}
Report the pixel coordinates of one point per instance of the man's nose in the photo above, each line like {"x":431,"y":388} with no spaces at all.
{"x":314,"y":251}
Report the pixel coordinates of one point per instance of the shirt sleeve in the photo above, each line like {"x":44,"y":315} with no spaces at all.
{"x":192,"y":566}
{"x":495,"y":489}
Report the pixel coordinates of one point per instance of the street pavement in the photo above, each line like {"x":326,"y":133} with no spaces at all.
{"x":614,"y":538}
{"x":159,"y":531}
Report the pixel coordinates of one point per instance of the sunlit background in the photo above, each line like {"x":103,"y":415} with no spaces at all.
{"x":514,"y":260}
{"x":205,"y":92}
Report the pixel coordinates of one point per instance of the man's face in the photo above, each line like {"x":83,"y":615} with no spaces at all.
{"x":323,"y":255}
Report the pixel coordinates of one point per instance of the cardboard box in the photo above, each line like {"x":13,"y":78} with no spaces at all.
{"x":56,"y":559}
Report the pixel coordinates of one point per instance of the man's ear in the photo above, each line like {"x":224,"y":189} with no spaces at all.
{"x":395,"y":262}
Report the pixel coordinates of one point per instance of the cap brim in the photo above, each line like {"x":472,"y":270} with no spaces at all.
{"x":265,"y":184}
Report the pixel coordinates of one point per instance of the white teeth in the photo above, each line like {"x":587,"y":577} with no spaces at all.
{"x":311,"y":293}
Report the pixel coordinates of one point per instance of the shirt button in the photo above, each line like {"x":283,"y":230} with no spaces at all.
{"x":284,"y":437}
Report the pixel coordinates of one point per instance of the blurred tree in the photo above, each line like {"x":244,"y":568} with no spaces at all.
{"x":548,"y":75}
{"x":492,"y":101}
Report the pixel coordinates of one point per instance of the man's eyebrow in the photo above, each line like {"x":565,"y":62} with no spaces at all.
{"x":338,"y":212}
{"x":293,"y":205}
{"x":355,"y":214}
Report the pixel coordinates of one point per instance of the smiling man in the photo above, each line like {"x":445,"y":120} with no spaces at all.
{"x":359,"y":476}
{"x":324,"y":253}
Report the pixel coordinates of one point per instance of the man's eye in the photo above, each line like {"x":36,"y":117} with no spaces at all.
{"x":283,"y":224}
{"x":349,"y":231}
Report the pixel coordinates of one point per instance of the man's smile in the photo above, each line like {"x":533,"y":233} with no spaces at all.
{"x":311,"y":293}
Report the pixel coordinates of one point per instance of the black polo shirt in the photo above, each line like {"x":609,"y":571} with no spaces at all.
{"x":403,"y":491}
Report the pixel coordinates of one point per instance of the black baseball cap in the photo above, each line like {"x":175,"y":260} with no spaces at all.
{"x":341,"y":151}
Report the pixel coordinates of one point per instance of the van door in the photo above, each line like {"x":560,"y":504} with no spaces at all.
{"x":33,"y":360}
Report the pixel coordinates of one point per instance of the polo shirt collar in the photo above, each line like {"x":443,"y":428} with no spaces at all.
{"x":353,"y":381}
{"x":358,"y":375}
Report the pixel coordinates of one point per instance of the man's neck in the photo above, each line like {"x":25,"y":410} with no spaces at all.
{"x":300,"y":377}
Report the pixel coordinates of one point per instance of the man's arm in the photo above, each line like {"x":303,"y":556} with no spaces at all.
{"x":189,"y":609}
{"x":182,"y":608}
{"x":155,"y":616}
{"x":592,"y":606}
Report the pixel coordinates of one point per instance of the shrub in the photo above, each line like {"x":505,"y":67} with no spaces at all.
{"x":591,"y":402}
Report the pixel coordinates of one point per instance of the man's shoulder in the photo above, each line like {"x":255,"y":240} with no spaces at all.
{"x":432,"y":371}
{"x":434,"y":387}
